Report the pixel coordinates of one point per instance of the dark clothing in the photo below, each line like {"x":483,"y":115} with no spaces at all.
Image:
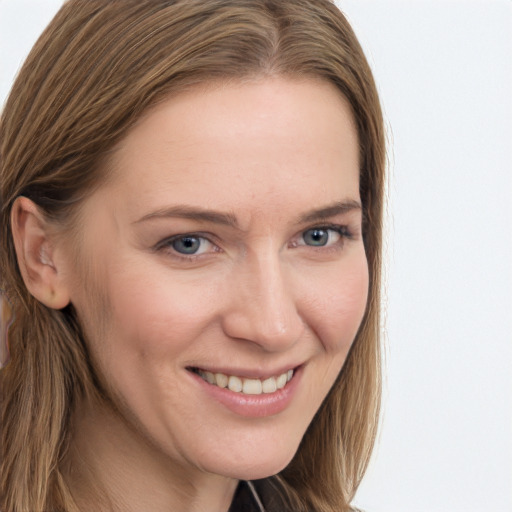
{"x":259,"y":496}
{"x":246,"y":499}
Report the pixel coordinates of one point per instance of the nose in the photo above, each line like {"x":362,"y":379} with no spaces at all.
{"x":262,"y":306}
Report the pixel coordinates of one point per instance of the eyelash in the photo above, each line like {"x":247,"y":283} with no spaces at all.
{"x":167,"y":245}
{"x":342,"y":230}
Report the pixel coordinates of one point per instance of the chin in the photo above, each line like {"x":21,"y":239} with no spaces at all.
{"x":256,"y":467}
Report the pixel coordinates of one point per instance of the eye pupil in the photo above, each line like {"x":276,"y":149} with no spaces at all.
{"x":317,"y":237}
{"x":186,"y":245}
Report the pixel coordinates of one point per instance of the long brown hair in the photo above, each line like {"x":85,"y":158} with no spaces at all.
{"x":95,"y":70}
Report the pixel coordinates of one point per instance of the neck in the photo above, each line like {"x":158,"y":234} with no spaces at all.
{"x":112,"y":467}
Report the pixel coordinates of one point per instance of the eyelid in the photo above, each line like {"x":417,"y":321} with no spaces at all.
{"x":345,"y":232}
{"x":166,"y":245}
{"x":343,"y":229}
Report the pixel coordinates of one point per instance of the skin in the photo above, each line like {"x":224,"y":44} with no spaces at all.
{"x":257,"y":297}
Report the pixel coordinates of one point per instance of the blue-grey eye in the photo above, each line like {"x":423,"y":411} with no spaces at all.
{"x":187,"y":244}
{"x":316,"y":237}
{"x":322,"y":237}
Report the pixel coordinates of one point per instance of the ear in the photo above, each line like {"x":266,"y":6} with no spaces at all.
{"x":37,"y":255}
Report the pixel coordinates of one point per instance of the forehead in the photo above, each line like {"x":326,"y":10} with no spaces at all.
{"x":263,"y":140}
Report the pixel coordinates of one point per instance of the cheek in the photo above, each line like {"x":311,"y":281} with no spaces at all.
{"x":340,"y":307}
{"x":146,"y":321}
{"x":152,"y":325}
{"x":156,"y":316}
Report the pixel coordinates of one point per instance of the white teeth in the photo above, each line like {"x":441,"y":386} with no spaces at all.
{"x":247,"y":386}
{"x":222,"y":380}
{"x":235,"y":384}
{"x":282,"y":380}
{"x":269,"y":385}
{"x":252,"y":387}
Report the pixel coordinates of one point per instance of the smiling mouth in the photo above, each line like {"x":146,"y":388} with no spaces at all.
{"x":244,"y":385}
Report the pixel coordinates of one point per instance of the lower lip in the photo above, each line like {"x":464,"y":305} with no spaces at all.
{"x":252,"y":406}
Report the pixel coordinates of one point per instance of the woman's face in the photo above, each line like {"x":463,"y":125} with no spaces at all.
{"x":226,"y":250}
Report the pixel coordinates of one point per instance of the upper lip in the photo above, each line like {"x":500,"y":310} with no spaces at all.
{"x":250,"y":373}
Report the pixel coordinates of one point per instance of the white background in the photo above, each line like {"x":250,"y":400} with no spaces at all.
{"x":444,"y":70}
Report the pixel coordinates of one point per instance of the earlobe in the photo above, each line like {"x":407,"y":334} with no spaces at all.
{"x":37,"y":255}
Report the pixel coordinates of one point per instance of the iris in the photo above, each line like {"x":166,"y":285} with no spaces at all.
{"x":187,"y":244}
{"x":316,"y":237}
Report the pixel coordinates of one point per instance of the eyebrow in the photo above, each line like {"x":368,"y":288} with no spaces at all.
{"x":229,"y":219}
{"x":332,"y":210}
{"x":192,"y":213}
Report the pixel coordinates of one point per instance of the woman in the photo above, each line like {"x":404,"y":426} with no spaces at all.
{"x":191,"y":201}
